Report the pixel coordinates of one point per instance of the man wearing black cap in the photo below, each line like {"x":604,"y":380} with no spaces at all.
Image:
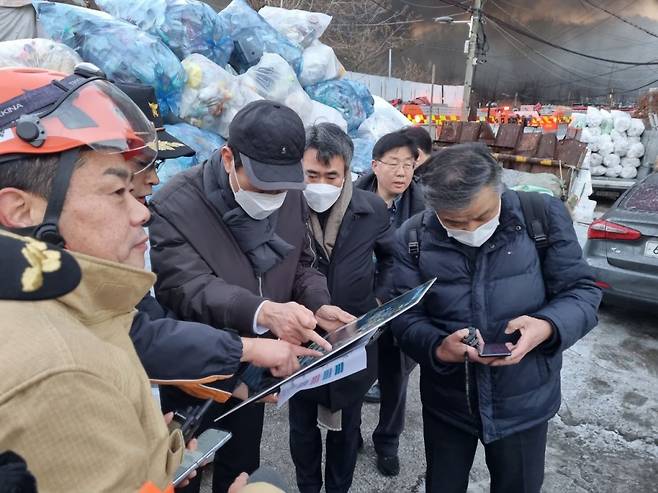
{"x":230,"y":248}
{"x":172,"y":350}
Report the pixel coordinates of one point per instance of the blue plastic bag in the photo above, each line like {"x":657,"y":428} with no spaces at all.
{"x":362,"y":158}
{"x":252,"y":36}
{"x":120,"y":49}
{"x":203,"y":142}
{"x":351,"y":98}
{"x":185,"y":26}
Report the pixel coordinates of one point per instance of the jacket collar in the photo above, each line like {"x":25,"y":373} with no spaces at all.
{"x":107,"y":289}
{"x":359,"y":203}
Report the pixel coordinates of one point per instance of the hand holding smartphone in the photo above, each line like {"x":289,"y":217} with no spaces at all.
{"x":208,"y":443}
{"x":494,"y":350}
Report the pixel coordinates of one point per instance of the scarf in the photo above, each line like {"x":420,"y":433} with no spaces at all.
{"x":256,"y":239}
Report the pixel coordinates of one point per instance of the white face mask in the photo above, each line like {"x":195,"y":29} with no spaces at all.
{"x":478,"y":236}
{"x":321,"y":196}
{"x":256,"y":204}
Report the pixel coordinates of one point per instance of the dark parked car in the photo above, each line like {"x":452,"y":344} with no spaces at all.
{"x":622,"y":246}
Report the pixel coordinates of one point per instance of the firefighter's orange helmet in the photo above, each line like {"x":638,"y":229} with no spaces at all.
{"x":46,"y":112}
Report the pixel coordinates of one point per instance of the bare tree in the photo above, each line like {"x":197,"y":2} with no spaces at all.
{"x":362,"y":31}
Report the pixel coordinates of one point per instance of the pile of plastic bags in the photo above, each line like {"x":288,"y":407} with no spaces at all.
{"x":384,"y":119}
{"x":299,"y":26}
{"x":319,"y":63}
{"x":122,"y":50}
{"x":362,"y":158}
{"x":252,"y":36}
{"x":185,"y":26}
{"x":206,"y":66}
{"x":203,"y":142}
{"x":614,"y":142}
{"x":212,"y":96}
{"x":41,"y":53}
{"x":349,"y":97}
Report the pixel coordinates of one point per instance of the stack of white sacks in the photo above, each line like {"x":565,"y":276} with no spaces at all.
{"x":614,"y":141}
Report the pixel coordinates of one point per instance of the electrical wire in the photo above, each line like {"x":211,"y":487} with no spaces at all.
{"x":539,"y":39}
{"x":420,"y":5}
{"x":510,"y":38}
{"x":578,"y":73}
{"x":616,"y":16}
{"x":628,"y":90}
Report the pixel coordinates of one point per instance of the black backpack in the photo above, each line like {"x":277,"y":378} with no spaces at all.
{"x":534,"y":213}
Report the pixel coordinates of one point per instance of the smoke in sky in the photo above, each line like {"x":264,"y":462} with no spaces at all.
{"x":517,"y":66}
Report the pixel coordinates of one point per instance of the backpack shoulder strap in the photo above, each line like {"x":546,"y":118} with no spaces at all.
{"x":536,"y":220}
{"x":413,"y":236}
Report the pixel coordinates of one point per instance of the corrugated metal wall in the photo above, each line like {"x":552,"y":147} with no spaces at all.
{"x":406,"y":90}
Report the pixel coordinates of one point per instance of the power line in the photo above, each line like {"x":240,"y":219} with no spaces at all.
{"x":420,"y":5}
{"x":587,"y":75}
{"x":629,"y":90}
{"x":530,"y":35}
{"x":515,"y":42}
{"x":616,"y":16}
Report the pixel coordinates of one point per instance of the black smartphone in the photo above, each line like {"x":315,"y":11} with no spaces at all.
{"x":495,"y":350}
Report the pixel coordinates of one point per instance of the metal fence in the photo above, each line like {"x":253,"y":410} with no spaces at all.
{"x":393,"y":88}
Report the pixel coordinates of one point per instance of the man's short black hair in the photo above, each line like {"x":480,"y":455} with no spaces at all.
{"x":329,"y":141}
{"x":33,"y":174}
{"x":392,"y":141}
{"x":421,"y":137}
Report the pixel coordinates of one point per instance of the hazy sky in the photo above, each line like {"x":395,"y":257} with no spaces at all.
{"x":511,"y":64}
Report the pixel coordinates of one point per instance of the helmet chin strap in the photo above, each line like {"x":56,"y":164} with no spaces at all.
{"x":48,"y":230}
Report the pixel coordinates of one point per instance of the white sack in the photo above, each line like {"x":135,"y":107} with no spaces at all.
{"x":595,"y":160}
{"x":594,"y":117}
{"x":621,"y":147}
{"x":299,"y":26}
{"x":636,"y":150}
{"x":637,"y":128}
{"x":588,"y":135}
{"x":613,"y":172}
{"x":631,"y":162}
{"x":598,"y":170}
{"x":321,"y":113}
{"x":622,"y":124}
{"x":628,"y":172}
{"x":319,"y":63}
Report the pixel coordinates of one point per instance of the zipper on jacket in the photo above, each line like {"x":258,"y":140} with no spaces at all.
{"x":314,"y":262}
{"x":260,"y":285}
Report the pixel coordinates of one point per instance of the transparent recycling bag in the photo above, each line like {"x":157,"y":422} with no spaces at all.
{"x":185,"y":26}
{"x":351,"y":98}
{"x":212,"y":96}
{"x":252,"y":36}
{"x":38,"y":53}
{"x":120,"y":49}
{"x":299,"y":26}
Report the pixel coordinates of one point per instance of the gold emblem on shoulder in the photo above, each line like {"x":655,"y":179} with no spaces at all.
{"x":164,"y":145}
{"x":41,"y":260}
{"x":154,"y":109}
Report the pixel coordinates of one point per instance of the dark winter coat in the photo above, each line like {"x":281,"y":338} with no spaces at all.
{"x":171,"y":349}
{"x":354,"y":286}
{"x":410,"y":203}
{"x":486,"y":288}
{"x":204,"y":276}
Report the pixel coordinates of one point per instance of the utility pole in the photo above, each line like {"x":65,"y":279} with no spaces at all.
{"x":471,"y":61}
{"x":390,"y":62}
